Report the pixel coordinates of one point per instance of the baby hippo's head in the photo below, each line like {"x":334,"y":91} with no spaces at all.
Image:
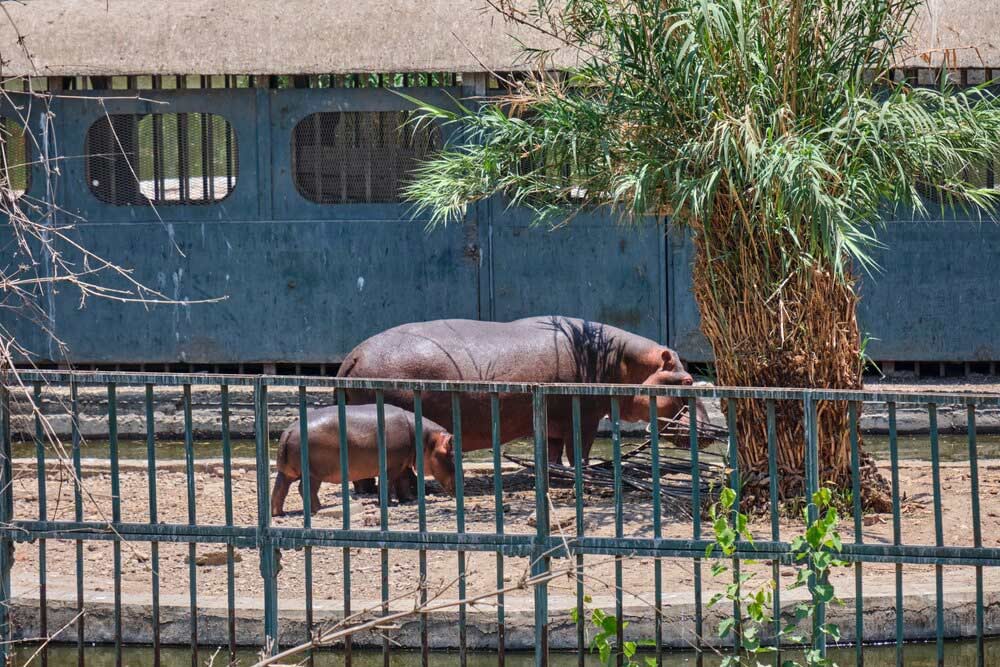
{"x":439,"y":457}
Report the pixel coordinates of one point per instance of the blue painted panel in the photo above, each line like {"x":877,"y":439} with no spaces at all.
{"x":593,"y":268}
{"x":27,"y":324}
{"x":296,"y":290}
{"x":289,"y":107}
{"x":306,"y":286}
{"x":936,"y":299}
{"x":75,"y":116}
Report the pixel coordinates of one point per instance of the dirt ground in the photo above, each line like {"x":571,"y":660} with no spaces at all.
{"x":678,"y":575}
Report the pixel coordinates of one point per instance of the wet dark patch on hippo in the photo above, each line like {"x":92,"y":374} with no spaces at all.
{"x":596,"y":356}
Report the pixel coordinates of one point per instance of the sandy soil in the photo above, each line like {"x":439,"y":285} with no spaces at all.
{"x":917,"y":528}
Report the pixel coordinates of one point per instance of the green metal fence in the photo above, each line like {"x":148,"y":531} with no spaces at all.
{"x":542,"y":546}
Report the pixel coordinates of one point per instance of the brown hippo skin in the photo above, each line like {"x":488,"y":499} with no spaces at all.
{"x":362,"y":454}
{"x":537,"y":349}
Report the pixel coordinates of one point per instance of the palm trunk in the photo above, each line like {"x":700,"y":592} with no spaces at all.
{"x":775,"y":320}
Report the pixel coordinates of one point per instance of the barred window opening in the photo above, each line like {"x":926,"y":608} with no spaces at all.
{"x":359,"y":156}
{"x":169,"y":158}
{"x":15,"y":158}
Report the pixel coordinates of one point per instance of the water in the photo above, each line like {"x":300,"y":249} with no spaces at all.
{"x":911,"y":447}
{"x":957,"y":654}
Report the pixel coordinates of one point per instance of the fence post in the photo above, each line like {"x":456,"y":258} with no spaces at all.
{"x":268,"y":555}
{"x":6,"y":516}
{"x":539,"y":556}
{"x":811,"y":487}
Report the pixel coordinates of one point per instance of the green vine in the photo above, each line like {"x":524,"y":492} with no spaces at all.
{"x":814,"y":554}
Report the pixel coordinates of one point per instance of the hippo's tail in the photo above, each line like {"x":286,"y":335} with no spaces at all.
{"x":348,"y":366}
{"x":281,"y":460}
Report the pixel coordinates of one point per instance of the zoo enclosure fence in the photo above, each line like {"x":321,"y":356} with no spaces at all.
{"x":541,"y":546}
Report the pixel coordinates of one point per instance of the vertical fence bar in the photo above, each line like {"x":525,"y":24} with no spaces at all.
{"x":696,"y":527}
{"x":345,"y":499}
{"x":540,"y":558}
{"x":498,"y":504}
{"x":772,"y":477}
{"x":977,"y":532}
{"x":383,"y":506}
{"x":938,"y":533}
{"x":42,"y":516}
{"x":896,"y":529}
{"x":456,"y":416}
{"x":6,"y":517}
{"x":735,"y":484}
{"x":418,"y":434}
{"x":74,"y":400}
{"x":616,"y":456}
{"x":116,"y":514}
{"x":227,"y":474}
{"x":654,"y":445}
{"x":264,"y":542}
{"x":853,"y":410}
{"x":192,"y":520}
{"x":581,"y":647}
{"x":305,"y":486}
{"x":812,"y":486}
{"x":154,"y":547}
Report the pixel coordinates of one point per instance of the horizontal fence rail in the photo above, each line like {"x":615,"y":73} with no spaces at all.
{"x":548,"y":525}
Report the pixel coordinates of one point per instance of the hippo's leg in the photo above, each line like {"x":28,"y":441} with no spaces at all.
{"x":555,"y":450}
{"x":588,"y":433}
{"x":281,"y":485}
{"x":365,"y":487}
{"x":404,"y":487}
{"x":314,"y":483}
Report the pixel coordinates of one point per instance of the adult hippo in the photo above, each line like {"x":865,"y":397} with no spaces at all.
{"x":549,"y":349}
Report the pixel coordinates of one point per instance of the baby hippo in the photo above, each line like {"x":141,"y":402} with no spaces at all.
{"x":362,"y":452}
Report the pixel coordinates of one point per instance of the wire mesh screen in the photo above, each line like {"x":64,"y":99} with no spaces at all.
{"x":979,"y":175}
{"x":169,"y":158}
{"x":15,"y":152}
{"x":358,"y":156}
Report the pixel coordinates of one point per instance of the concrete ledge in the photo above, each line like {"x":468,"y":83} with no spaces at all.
{"x":678,"y":619}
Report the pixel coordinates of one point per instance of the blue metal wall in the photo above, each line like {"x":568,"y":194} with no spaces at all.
{"x":304,"y":282}
{"x":936,"y":297}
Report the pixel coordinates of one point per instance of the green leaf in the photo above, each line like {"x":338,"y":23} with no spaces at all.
{"x":823,"y":592}
{"x":833,"y":630}
{"x":610,"y":625}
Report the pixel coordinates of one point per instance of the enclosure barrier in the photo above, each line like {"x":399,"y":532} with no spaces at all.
{"x":542,"y":546}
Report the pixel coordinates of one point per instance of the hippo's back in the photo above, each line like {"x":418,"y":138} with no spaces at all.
{"x":536,"y":349}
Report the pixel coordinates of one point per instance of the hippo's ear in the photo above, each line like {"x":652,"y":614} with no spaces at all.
{"x":668,"y":359}
{"x":443,"y":443}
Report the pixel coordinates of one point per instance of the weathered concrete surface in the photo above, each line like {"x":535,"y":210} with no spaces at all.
{"x":283,"y":408}
{"x":231,"y":37}
{"x":678,"y":618}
